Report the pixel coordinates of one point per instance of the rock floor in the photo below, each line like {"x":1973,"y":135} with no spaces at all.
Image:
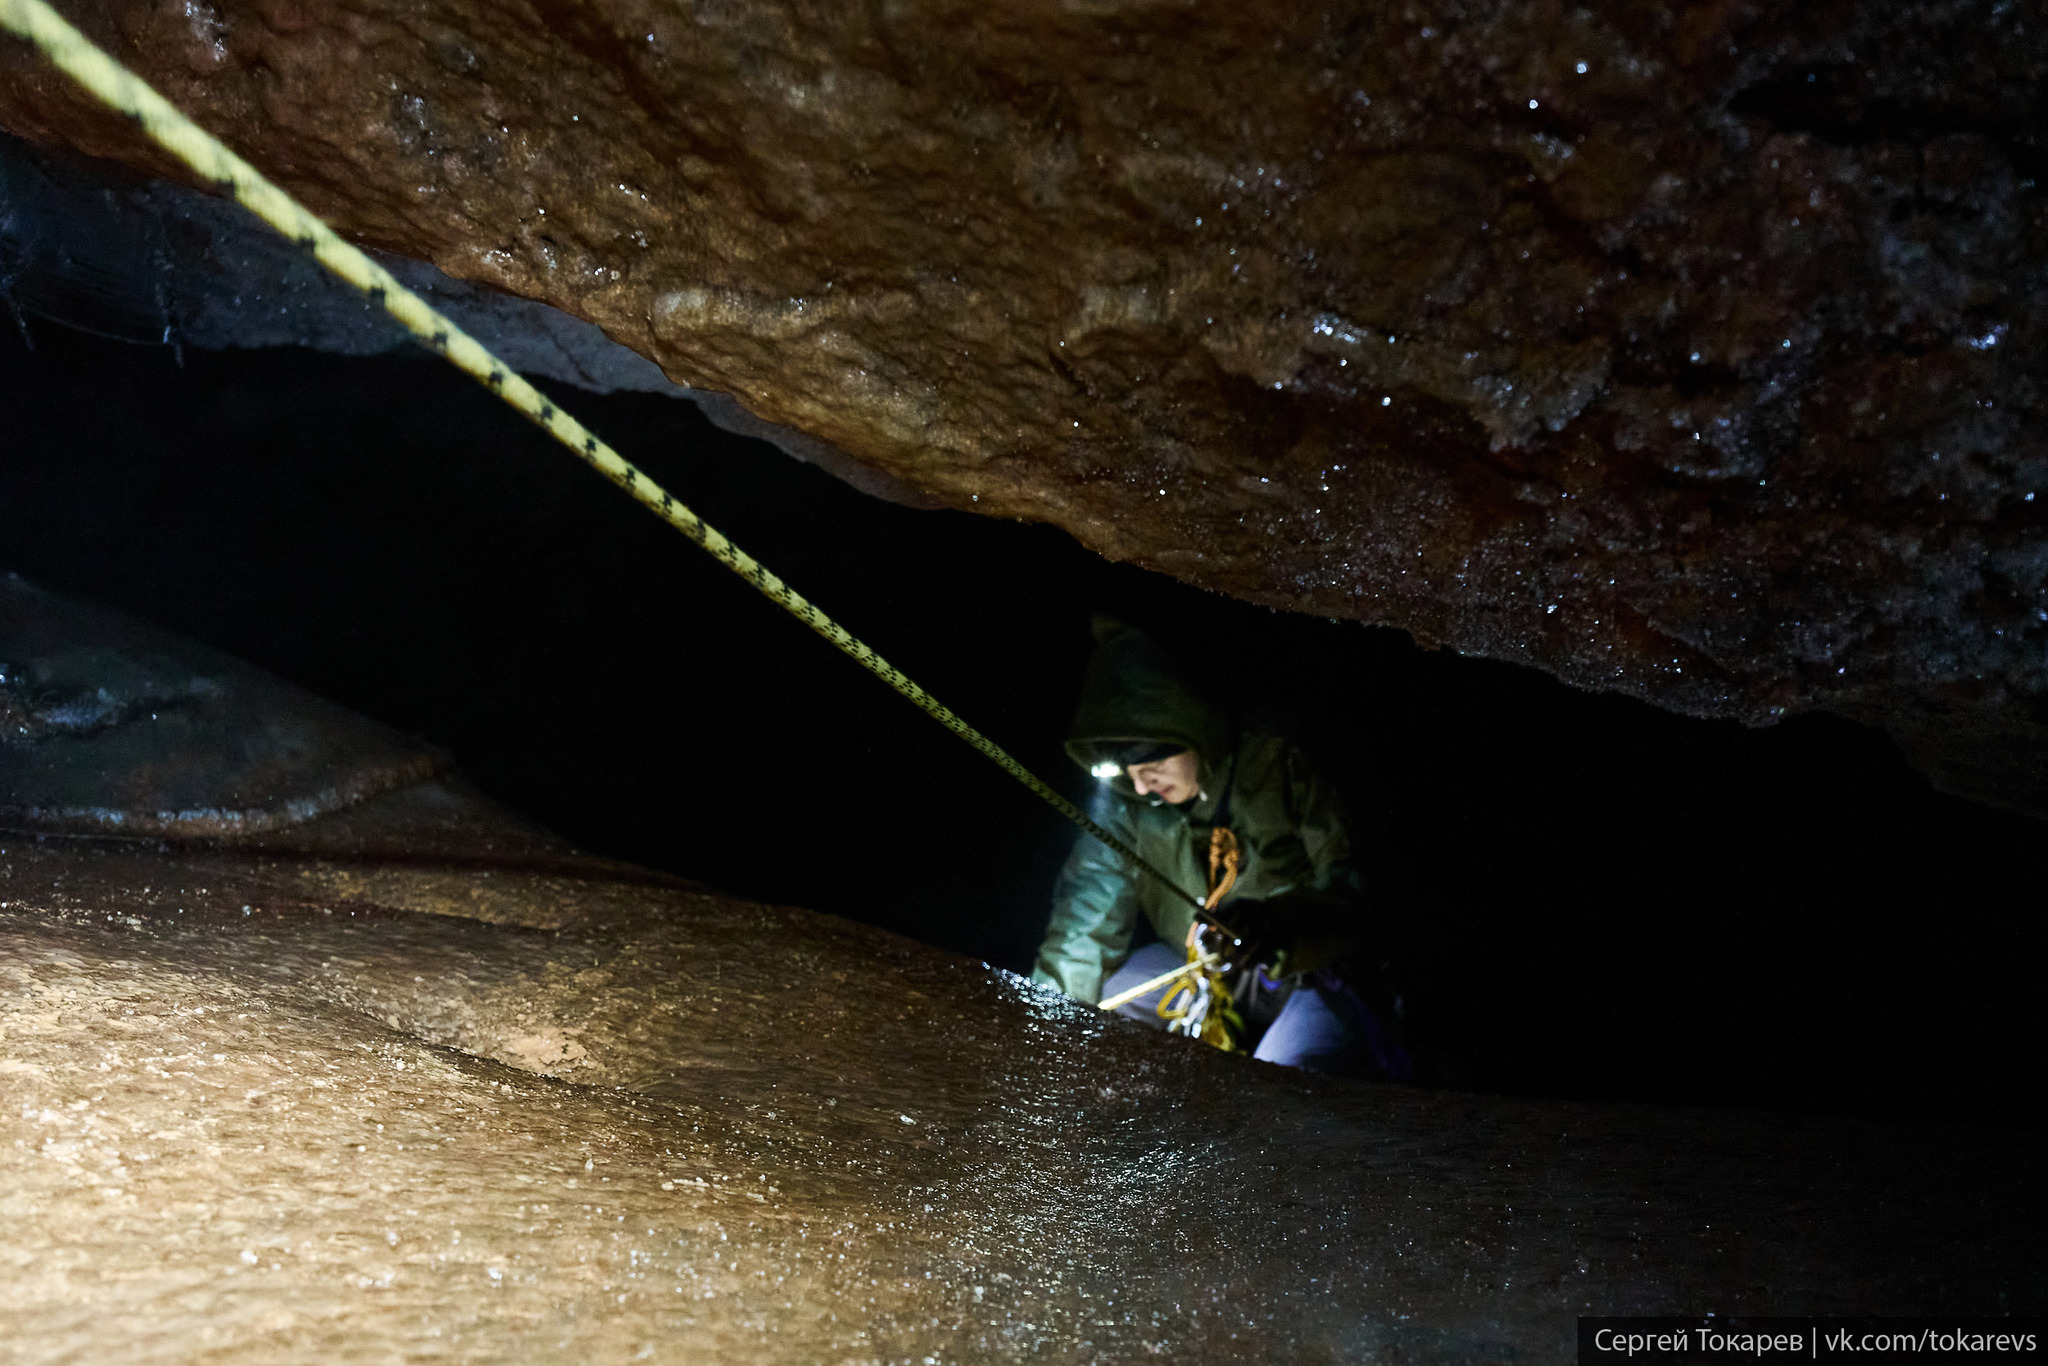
{"x":264,"y":1103}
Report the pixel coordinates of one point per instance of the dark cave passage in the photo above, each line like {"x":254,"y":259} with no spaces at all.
{"x":1590,"y":897}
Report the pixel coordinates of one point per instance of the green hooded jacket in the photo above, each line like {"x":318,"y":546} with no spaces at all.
{"x":1297,"y":854}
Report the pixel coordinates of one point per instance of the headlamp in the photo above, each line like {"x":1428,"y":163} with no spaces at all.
{"x":1105,"y":770}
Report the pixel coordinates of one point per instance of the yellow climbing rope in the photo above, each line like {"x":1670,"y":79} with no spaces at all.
{"x":122,"y":90}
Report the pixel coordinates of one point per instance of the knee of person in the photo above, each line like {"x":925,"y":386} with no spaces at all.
{"x":1308,"y":1034}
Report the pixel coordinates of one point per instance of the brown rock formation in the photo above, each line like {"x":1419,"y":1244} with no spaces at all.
{"x":253,"y":1118}
{"x":1687,"y":352}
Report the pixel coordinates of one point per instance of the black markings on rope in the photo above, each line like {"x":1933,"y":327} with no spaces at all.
{"x":547,"y":412}
{"x":590,"y":445}
{"x":439,"y":341}
{"x":497,"y":381}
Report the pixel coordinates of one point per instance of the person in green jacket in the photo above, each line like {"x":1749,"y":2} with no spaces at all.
{"x":1173,"y":768}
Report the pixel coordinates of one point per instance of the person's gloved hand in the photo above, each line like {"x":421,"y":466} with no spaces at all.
{"x":1253,"y":936}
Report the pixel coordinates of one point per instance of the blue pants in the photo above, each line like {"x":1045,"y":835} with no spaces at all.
{"x":1312,"y":1030}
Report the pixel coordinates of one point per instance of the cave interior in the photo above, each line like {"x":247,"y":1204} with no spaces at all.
{"x":1609,"y":449}
{"x":1592,"y":897}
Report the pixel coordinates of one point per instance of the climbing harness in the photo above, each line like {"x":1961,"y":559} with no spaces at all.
{"x":1202,"y":1005}
{"x":1200,"y":1001}
{"x":122,"y":90}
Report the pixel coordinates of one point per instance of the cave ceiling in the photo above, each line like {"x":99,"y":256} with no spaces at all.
{"x":1689,"y":352}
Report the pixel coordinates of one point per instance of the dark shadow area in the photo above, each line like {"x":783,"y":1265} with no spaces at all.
{"x":1593,"y":898}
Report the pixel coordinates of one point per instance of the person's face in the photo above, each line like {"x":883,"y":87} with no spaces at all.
{"x":1173,"y":779}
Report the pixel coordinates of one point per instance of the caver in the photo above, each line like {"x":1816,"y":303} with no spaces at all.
{"x":1270,"y":954}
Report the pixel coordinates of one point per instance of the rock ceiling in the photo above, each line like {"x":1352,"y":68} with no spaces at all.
{"x":1689,"y":353}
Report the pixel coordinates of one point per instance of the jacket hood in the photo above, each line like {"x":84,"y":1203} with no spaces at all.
{"x":1133,"y":690}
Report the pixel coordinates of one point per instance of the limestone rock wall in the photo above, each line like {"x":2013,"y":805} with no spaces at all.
{"x":1686,"y":351}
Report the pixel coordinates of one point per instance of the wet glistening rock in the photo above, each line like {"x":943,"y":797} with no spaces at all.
{"x":1679,"y":352}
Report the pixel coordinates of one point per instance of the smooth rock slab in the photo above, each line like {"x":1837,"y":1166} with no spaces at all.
{"x":252,"y":1119}
{"x":110,"y":725}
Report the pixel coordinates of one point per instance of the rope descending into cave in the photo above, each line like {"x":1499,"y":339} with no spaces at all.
{"x":122,"y":90}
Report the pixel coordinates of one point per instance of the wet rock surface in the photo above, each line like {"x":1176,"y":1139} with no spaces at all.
{"x":108,"y":725}
{"x":1685,"y":353}
{"x":253,"y":1119}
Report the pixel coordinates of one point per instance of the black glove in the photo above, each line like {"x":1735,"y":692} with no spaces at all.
{"x":1252,"y":934}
